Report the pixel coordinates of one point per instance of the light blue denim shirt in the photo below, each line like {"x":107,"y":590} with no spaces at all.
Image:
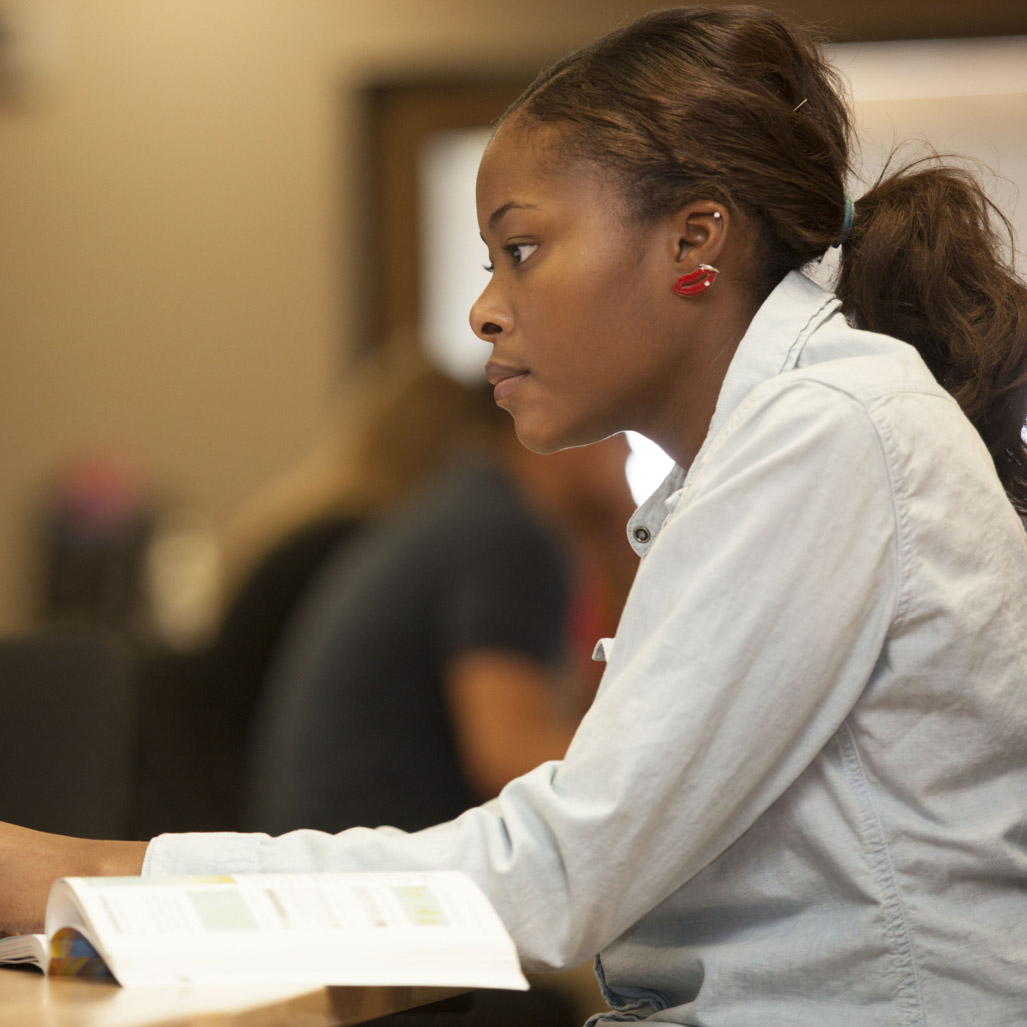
{"x":800,"y":796}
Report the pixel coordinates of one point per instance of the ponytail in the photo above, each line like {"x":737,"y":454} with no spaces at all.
{"x":924,"y":263}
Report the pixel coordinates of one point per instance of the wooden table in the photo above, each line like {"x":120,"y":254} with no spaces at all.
{"x":29,"y":999}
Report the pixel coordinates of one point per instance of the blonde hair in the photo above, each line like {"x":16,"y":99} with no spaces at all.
{"x":396,"y":419}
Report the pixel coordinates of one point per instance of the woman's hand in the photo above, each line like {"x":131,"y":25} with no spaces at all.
{"x":30,"y":862}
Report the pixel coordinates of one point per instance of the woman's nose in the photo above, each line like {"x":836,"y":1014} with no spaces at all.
{"x":488,"y":321}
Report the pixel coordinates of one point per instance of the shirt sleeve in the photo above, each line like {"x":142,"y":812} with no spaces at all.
{"x":754,"y":625}
{"x":507,"y":586}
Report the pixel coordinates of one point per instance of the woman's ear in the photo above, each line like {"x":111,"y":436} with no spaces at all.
{"x":699,"y":231}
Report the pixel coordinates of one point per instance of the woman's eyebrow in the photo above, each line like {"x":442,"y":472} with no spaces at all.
{"x":500,"y":212}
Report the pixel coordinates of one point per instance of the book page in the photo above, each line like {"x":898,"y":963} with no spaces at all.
{"x":23,"y":950}
{"x":375,"y":928}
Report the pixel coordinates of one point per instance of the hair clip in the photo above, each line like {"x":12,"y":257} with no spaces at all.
{"x":798,"y":105}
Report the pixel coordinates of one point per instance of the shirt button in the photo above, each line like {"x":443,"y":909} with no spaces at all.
{"x":642,"y":535}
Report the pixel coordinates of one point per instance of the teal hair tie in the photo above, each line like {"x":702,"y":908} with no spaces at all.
{"x":850,"y":213}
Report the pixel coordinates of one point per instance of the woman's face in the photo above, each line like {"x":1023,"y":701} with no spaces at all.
{"x":577,"y":306}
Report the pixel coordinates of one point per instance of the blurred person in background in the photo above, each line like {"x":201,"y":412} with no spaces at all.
{"x":447,"y":648}
{"x":401,"y":425}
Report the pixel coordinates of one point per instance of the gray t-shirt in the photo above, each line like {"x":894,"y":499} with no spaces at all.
{"x":356,"y":728}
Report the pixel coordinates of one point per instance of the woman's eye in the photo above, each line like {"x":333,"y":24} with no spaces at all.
{"x":519,"y":252}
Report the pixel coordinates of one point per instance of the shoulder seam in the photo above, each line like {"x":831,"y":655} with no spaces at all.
{"x":902,"y":529}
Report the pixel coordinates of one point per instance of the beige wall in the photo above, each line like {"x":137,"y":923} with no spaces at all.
{"x":174,"y":190}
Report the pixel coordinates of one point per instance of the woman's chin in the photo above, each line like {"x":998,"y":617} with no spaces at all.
{"x":533,"y":437}
{"x":544,"y":439}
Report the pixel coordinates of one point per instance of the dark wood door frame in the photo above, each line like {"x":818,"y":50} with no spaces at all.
{"x":400,"y":118}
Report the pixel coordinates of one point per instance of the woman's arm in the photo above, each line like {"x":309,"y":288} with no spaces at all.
{"x":30,"y":862}
{"x":755,"y":623}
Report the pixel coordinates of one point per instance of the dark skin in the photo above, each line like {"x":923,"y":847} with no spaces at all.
{"x":30,"y":862}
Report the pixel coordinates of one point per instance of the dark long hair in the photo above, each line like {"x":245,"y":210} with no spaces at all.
{"x":735,"y":104}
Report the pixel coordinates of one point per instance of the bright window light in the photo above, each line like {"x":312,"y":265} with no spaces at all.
{"x":647,"y":466}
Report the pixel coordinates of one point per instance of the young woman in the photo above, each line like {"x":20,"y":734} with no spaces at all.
{"x":799,"y":795}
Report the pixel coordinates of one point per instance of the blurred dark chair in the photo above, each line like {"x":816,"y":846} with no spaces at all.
{"x":196,"y":708}
{"x":68,"y":703}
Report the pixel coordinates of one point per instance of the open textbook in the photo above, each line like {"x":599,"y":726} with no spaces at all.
{"x":417,"y":929}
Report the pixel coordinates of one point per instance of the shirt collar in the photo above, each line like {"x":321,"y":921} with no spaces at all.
{"x":773,"y":341}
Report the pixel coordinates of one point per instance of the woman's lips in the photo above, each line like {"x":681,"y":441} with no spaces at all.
{"x":503,"y":379}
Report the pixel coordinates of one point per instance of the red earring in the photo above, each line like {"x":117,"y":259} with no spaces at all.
{"x":696,"y":281}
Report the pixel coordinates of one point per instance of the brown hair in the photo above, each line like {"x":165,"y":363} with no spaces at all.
{"x":734,"y":104}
